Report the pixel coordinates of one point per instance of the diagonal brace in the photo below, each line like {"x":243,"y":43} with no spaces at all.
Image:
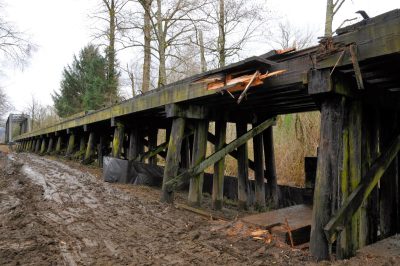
{"x":218,"y":155}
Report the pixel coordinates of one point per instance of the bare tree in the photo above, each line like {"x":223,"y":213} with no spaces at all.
{"x":288,"y":36}
{"x":239,"y":21}
{"x":111,"y":15}
{"x":5,"y":104}
{"x":14,"y":44}
{"x":332,"y":7}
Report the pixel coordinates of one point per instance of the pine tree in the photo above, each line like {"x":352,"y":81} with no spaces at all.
{"x":84,"y":85}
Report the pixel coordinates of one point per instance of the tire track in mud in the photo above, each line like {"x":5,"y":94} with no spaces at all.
{"x":98,"y":223}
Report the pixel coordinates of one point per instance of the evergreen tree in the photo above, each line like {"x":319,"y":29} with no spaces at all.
{"x":84,"y":85}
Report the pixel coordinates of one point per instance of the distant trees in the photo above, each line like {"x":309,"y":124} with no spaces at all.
{"x":85,"y":84}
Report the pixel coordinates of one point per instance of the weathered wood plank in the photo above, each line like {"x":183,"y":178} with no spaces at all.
{"x":219,"y":167}
{"x":259,"y":172}
{"x":118,"y":140}
{"x":332,"y":114}
{"x":173,"y":156}
{"x":199,"y":153}
{"x":270,"y":167}
{"x":367,"y":184}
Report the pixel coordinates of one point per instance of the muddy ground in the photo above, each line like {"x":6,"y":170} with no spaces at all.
{"x":60,"y":213}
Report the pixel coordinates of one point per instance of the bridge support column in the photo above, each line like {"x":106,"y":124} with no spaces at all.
{"x":173,"y":157}
{"x":71,"y":144}
{"x":100,"y":149}
{"x":58,"y":145}
{"x":118,"y":140}
{"x":89,"y":149}
{"x":243,"y":168}
{"x":50,"y":145}
{"x":136,"y":145}
{"x":153,"y":134}
{"x":43,"y":146}
{"x":272,"y":185}
{"x":219,"y":167}
{"x":38,"y":145}
{"x":199,"y":154}
{"x":259,"y":172}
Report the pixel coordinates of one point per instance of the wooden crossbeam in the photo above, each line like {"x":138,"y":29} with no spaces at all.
{"x":212,"y":139}
{"x":172,"y":184}
{"x":157,"y":150}
{"x":356,"y":198}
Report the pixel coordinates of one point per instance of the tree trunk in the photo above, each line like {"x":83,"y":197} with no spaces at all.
{"x":329,"y":18}
{"x":202,"y":52}
{"x":147,"y":48}
{"x":221,"y":33}
{"x":162,"y":72}
{"x":112,"y":81}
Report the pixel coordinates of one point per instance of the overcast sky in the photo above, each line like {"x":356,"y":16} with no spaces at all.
{"x":60,"y":28}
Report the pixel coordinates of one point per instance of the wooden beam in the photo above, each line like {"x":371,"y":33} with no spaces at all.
{"x":152,"y":153}
{"x":118,"y":140}
{"x":326,"y":185}
{"x":199,"y":153}
{"x":71,"y":144}
{"x":219,"y":167}
{"x":153,"y":133}
{"x":367,"y":184}
{"x":244,"y":192}
{"x":186,"y":111}
{"x":172,"y":160}
{"x":270,"y":167}
{"x":218,"y":155}
{"x":259,"y":172}
{"x":50,"y":145}
{"x":89,"y":148}
{"x":58,"y":145}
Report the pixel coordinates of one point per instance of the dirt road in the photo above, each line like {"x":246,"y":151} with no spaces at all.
{"x":52,"y":213}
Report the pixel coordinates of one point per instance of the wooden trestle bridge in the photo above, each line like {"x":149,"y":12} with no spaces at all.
{"x":353,"y":79}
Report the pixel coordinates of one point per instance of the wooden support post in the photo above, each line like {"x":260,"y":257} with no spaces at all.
{"x":259,"y":172}
{"x":350,"y":176}
{"x":332,"y":115}
{"x":58,"y":145}
{"x":185,"y":154}
{"x":38,"y":145}
{"x":219,"y":167}
{"x":100,"y":148}
{"x":33,"y":147}
{"x":388,"y":183}
{"x":371,"y":152}
{"x":218,"y":155}
{"x":89,"y":149}
{"x":243,"y":169}
{"x":199,"y":153}
{"x":361,"y":193}
{"x":80,"y":155}
{"x":50,"y":145}
{"x":173,"y":154}
{"x":43,"y":146}
{"x":71,"y":144}
{"x":136,"y":146}
{"x":272,"y":185}
{"x":153,"y":134}
{"x":118,"y":140}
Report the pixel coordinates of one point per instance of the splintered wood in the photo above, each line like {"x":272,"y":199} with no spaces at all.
{"x":233,"y":82}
